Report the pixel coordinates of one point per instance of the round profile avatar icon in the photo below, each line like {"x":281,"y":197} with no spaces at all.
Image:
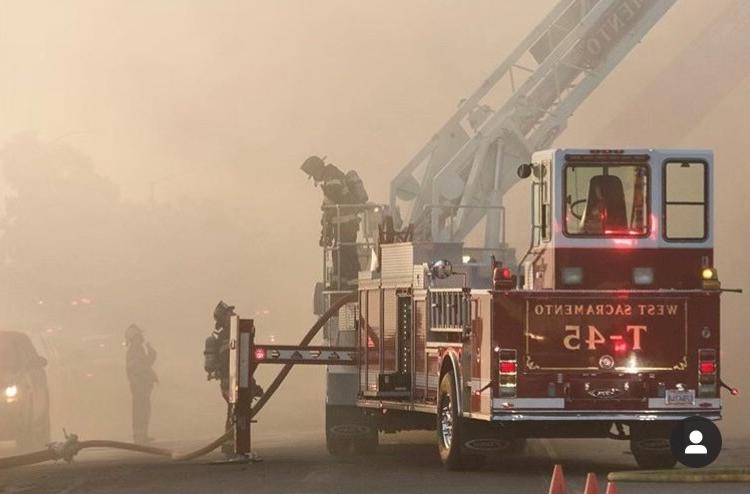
{"x":695,"y":442}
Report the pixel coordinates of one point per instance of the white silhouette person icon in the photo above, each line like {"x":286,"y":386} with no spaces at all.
{"x":696,"y":448}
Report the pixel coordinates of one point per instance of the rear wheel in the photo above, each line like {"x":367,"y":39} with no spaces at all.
{"x":650,"y":447}
{"x":451,"y":428}
{"x":367,"y":443}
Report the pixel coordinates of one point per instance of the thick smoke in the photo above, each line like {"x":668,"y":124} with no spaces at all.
{"x":150,"y":155}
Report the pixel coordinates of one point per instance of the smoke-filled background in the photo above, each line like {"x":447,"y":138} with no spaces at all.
{"x":150,"y":157}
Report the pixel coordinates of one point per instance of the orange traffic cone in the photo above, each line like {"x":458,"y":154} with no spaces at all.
{"x":592,"y":486}
{"x":557,"y":484}
{"x":611,"y":488}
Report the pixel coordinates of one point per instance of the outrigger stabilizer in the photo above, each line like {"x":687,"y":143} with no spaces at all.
{"x":244,"y":358}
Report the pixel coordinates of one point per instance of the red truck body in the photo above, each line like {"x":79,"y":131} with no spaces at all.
{"x":608,"y":327}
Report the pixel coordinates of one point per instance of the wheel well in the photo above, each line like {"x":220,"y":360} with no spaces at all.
{"x":447,"y":366}
{"x":450,"y":364}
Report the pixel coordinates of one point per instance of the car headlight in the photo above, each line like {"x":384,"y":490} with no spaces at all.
{"x":11,"y":391}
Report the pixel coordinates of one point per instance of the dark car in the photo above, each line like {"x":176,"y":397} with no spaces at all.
{"x":24,"y":396}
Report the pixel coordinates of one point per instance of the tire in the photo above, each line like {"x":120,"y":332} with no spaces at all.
{"x":451,"y":429}
{"x":368,"y":443}
{"x":650,"y":448}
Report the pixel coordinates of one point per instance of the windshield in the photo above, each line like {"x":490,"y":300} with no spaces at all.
{"x":606,"y":200}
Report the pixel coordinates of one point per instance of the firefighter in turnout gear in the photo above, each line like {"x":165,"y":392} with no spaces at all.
{"x":339,"y":226}
{"x":139,"y":362}
{"x":216,"y":362}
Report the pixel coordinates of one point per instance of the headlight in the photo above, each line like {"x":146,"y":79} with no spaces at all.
{"x":709,"y":274}
{"x":643,"y":276}
{"x":572,"y":276}
{"x":11,"y":391}
{"x":710,"y":279}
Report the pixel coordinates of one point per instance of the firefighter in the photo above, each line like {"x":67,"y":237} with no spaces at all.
{"x":139,"y":362}
{"x":216,"y":362}
{"x":339,"y":227}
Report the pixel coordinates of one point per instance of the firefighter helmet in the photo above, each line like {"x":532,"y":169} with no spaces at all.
{"x":132,"y":331}
{"x":313,"y":167}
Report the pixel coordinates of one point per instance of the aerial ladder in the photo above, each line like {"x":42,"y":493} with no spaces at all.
{"x":470,"y":163}
{"x":464,"y":171}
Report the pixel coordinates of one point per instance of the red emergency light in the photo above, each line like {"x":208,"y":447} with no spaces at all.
{"x":624,"y":231}
{"x":502,"y":277}
{"x":507,"y":367}
{"x":260,"y":354}
{"x":707,"y":367}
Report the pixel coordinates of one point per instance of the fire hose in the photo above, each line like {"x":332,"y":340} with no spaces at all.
{"x":69,"y":448}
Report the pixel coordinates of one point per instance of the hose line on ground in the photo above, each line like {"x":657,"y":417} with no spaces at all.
{"x":71,"y":446}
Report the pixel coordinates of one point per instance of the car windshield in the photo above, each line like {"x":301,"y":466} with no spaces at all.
{"x":606,"y":200}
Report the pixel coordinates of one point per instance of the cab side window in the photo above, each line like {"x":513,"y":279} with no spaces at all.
{"x":685,"y":190}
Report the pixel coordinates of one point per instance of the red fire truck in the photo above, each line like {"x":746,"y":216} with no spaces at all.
{"x":607,"y":328}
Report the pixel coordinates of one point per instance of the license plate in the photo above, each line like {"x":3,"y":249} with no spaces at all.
{"x":680,"y":398}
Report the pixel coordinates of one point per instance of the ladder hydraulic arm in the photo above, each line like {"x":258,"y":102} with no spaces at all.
{"x":521,"y":107}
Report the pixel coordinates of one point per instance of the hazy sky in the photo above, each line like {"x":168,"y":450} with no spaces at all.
{"x":175,"y":92}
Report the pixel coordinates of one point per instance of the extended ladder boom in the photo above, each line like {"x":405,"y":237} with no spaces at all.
{"x":523,"y":106}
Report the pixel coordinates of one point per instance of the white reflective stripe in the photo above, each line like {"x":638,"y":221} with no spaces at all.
{"x":332,"y":356}
{"x":700,"y":404}
{"x":244,"y":360}
{"x":516,"y":403}
{"x":647,"y":416}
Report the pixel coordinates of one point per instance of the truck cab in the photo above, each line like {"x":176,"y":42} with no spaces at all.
{"x":635,"y":219}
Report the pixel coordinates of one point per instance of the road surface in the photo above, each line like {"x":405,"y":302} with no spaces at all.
{"x":299,"y":463}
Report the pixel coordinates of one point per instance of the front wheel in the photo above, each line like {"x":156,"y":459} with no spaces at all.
{"x":451,"y":428}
